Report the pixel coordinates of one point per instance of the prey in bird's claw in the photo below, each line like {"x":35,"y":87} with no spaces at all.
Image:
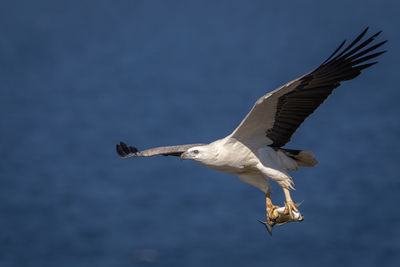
{"x":280,"y":216}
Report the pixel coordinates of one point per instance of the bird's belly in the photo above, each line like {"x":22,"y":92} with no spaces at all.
{"x":237,"y":165}
{"x":228,"y":168}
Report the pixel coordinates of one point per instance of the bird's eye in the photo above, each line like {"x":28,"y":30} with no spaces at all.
{"x":195,"y":151}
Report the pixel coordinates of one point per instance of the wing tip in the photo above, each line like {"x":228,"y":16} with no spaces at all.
{"x":124,"y":151}
{"x":359,"y":54}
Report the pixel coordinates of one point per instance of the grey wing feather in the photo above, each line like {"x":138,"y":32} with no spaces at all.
{"x":125,"y":151}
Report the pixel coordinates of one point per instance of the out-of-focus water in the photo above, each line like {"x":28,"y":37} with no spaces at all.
{"x":78,"y":77}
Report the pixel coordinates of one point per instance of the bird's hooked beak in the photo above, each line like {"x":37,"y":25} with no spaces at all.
{"x":184,"y":156}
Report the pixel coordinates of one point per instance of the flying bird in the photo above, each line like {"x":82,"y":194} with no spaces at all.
{"x":254,"y":150}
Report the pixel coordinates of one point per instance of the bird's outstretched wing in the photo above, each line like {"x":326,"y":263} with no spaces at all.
{"x":125,"y":151}
{"x":277,"y":115}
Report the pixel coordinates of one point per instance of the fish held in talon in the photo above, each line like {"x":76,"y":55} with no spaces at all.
{"x":284,"y":217}
{"x":281,"y":217}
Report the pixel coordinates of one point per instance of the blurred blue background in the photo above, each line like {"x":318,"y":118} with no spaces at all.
{"x":76,"y":77}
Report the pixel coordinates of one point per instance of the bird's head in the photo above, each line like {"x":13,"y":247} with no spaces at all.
{"x":206,"y":155}
{"x":196,"y":153}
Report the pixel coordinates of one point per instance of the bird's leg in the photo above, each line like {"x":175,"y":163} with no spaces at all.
{"x":270,"y":208}
{"x":289,"y":205}
{"x":271,"y":215}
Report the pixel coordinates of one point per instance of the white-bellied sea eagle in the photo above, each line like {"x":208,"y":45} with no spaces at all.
{"x":253,"y":151}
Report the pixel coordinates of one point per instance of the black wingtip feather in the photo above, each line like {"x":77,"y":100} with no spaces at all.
{"x":365,"y":51}
{"x":351,"y":60}
{"x":360,"y":46}
{"x":133,"y":149}
{"x":120,"y":151}
{"x":358,"y":38}
{"x":337,"y":49}
{"x":361,"y":67}
{"x":124,"y":147}
{"x":123,"y":150}
{"x":371,"y":56}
